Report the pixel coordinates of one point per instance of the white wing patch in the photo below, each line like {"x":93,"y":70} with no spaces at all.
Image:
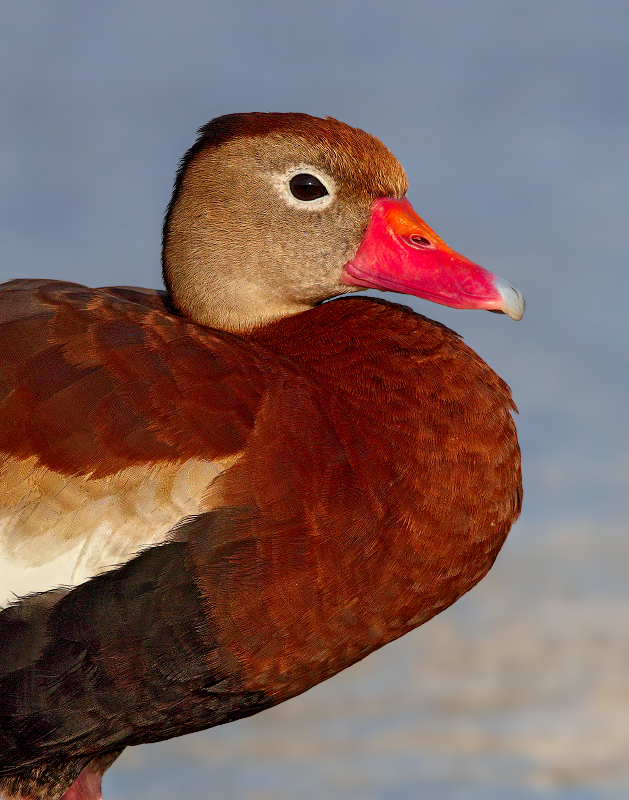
{"x":57,"y":530}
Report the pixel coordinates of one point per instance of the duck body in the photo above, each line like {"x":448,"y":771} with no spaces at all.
{"x":201,"y":522}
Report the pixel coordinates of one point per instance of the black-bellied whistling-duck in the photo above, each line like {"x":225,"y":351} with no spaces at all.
{"x":214,"y":498}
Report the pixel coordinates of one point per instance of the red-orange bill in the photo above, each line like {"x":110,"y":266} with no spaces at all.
{"x":400,"y":253}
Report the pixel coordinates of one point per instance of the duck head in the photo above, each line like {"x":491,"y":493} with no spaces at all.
{"x":272,"y":214}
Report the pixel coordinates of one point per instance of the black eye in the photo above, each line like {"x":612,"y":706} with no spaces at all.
{"x":307,"y":187}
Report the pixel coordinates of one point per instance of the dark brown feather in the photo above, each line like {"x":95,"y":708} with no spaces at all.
{"x":94,"y":381}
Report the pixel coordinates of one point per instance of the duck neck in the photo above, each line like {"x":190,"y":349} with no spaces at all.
{"x":232,"y":304}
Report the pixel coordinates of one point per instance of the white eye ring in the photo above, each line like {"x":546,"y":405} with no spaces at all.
{"x":281,"y":182}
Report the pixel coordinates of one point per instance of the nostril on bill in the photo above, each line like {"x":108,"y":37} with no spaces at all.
{"x":415,"y":240}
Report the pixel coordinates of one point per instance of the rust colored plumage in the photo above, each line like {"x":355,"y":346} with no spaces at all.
{"x":95,"y":381}
{"x":283,"y":500}
{"x":349,"y":519}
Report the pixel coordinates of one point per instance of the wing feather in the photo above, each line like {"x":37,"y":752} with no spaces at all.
{"x":115,"y":417}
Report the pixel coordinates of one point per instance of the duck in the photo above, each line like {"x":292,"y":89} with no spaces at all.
{"x":214,"y":497}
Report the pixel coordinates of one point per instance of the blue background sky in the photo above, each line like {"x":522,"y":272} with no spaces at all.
{"x":512,"y":121}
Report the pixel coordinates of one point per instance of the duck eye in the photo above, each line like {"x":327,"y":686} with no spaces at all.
{"x":307,"y":187}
